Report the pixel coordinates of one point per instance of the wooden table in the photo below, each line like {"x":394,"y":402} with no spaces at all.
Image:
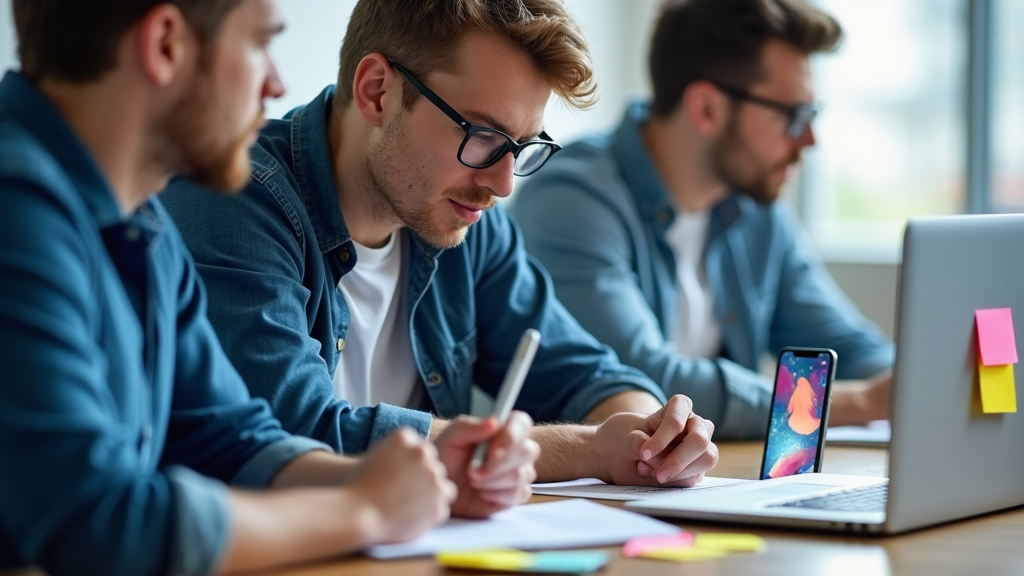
{"x":988,"y":546}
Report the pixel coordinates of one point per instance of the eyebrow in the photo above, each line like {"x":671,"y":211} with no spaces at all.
{"x":493,"y":122}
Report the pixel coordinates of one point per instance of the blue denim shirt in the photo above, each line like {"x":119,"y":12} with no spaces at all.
{"x":272,"y":257}
{"x":120,"y":416}
{"x":614,"y":270}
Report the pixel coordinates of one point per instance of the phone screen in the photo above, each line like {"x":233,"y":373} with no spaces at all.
{"x":799,"y":412}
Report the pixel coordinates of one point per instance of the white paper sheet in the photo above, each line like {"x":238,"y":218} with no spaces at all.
{"x":562,"y":524}
{"x":598,"y":490}
{"x":874,"y":434}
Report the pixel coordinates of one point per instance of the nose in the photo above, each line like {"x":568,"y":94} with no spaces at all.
{"x":273,"y":87}
{"x":806,"y":139}
{"x":497,"y":177}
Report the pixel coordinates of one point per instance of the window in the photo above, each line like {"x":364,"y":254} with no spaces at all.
{"x":891,"y":137}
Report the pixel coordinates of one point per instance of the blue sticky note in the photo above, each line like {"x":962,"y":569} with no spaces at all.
{"x":569,"y":562}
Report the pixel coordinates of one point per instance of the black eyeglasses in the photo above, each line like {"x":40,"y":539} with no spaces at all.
{"x":800,"y":116}
{"x":483,"y":146}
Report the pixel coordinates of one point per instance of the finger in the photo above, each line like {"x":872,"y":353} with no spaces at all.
{"x":695,"y":442}
{"x":467,"y":431}
{"x":644,"y":469}
{"x":632,"y":444}
{"x":511,"y":480}
{"x":694,"y":473}
{"x":673,"y":422}
{"x":509,"y":440}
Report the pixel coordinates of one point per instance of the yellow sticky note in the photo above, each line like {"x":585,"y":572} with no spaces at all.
{"x":730,"y":542}
{"x":998,"y":390}
{"x":691,"y":554}
{"x":492,"y":559}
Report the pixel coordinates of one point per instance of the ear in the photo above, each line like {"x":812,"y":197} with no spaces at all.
{"x":706,"y":107}
{"x":376,"y":89}
{"x":167,"y":46}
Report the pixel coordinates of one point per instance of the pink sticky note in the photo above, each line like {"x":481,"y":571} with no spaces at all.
{"x":637,"y":546}
{"x":995,"y":336}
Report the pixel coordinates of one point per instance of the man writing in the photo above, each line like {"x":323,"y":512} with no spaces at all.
{"x":366,"y":276}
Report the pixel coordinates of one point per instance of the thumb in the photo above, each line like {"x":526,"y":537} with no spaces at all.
{"x":468,"y":431}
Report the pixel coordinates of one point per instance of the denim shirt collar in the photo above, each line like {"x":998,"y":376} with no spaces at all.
{"x":35,"y":113}
{"x":642,"y":176}
{"x":314,"y":171}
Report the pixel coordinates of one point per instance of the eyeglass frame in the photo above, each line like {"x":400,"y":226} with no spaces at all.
{"x":510,"y":145}
{"x":795,"y":114}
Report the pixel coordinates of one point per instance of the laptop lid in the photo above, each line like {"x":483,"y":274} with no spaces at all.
{"x":948,"y":459}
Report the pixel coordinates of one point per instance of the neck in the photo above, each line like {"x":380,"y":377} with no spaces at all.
{"x":367,"y":221}
{"x":110,"y":120}
{"x":683,"y":161}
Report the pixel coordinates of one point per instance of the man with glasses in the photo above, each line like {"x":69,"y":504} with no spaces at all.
{"x":676,"y":253}
{"x":366,"y":278}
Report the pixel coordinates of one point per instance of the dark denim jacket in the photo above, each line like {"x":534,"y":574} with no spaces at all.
{"x":614,"y":270}
{"x":115,"y":391}
{"x":271,"y":258}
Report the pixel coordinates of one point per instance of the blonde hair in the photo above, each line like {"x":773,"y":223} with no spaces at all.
{"x":423,"y":35}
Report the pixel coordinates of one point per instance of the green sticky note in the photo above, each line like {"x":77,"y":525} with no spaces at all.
{"x":730,"y":542}
{"x":998,"y":389}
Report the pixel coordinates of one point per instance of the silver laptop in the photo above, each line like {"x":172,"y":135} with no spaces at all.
{"x":947,"y":459}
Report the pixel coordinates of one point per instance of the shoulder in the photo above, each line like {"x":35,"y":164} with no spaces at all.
{"x":589,"y":165}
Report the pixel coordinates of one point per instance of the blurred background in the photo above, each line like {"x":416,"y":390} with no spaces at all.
{"x":923,"y":114}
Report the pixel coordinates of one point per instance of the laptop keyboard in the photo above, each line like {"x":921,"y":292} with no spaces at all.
{"x":864,"y":499}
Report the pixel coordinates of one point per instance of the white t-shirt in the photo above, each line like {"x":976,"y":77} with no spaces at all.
{"x":377,"y":364}
{"x":697,"y":332}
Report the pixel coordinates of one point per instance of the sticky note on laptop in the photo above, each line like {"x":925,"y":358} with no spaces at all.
{"x":997,"y":353}
{"x":997,"y":345}
{"x":998,"y":390}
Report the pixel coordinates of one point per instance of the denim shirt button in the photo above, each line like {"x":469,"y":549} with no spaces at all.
{"x":341,"y":344}
{"x":729,"y":318}
{"x":131,"y":233}
{"x":344,"y":255}
{"x":435,"y":379}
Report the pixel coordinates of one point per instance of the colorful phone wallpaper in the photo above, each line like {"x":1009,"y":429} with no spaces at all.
{"x":796,"y":415}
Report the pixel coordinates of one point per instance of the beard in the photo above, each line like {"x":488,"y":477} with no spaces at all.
{"x":737,"y":165}
{"x":396,"y":194}
{"x":191,"y":142}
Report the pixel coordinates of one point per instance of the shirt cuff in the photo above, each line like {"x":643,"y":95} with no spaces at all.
{"x":261,"y":468}
{"x":748,"y":397}
{"x":389,"y":418}
{"x":201,"y":518}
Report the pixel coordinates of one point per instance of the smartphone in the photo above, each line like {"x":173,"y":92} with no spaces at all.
{"x":799,"y":412}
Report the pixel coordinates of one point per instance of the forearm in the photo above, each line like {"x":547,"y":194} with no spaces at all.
{"x":565,"y":452}
{"x":635,"y":401}
{"x":297,"y":525}
{"x":437,"y":425}
{"x":316,"y":469}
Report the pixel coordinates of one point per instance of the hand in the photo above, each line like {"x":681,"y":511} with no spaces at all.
{"x":505,"y":477}
{"x":670,"y":447}
{"x":860,"y":401}
{"x":405,"y":485}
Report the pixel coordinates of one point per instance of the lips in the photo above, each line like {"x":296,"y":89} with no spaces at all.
{"x":468,"y":213}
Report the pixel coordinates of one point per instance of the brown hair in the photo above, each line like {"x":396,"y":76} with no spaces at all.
{"x":722,"y":41}
{"x":76,"y":40}
{"x":422,"y":36}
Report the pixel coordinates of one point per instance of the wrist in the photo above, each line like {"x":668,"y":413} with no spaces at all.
{"x":567,"y":452}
